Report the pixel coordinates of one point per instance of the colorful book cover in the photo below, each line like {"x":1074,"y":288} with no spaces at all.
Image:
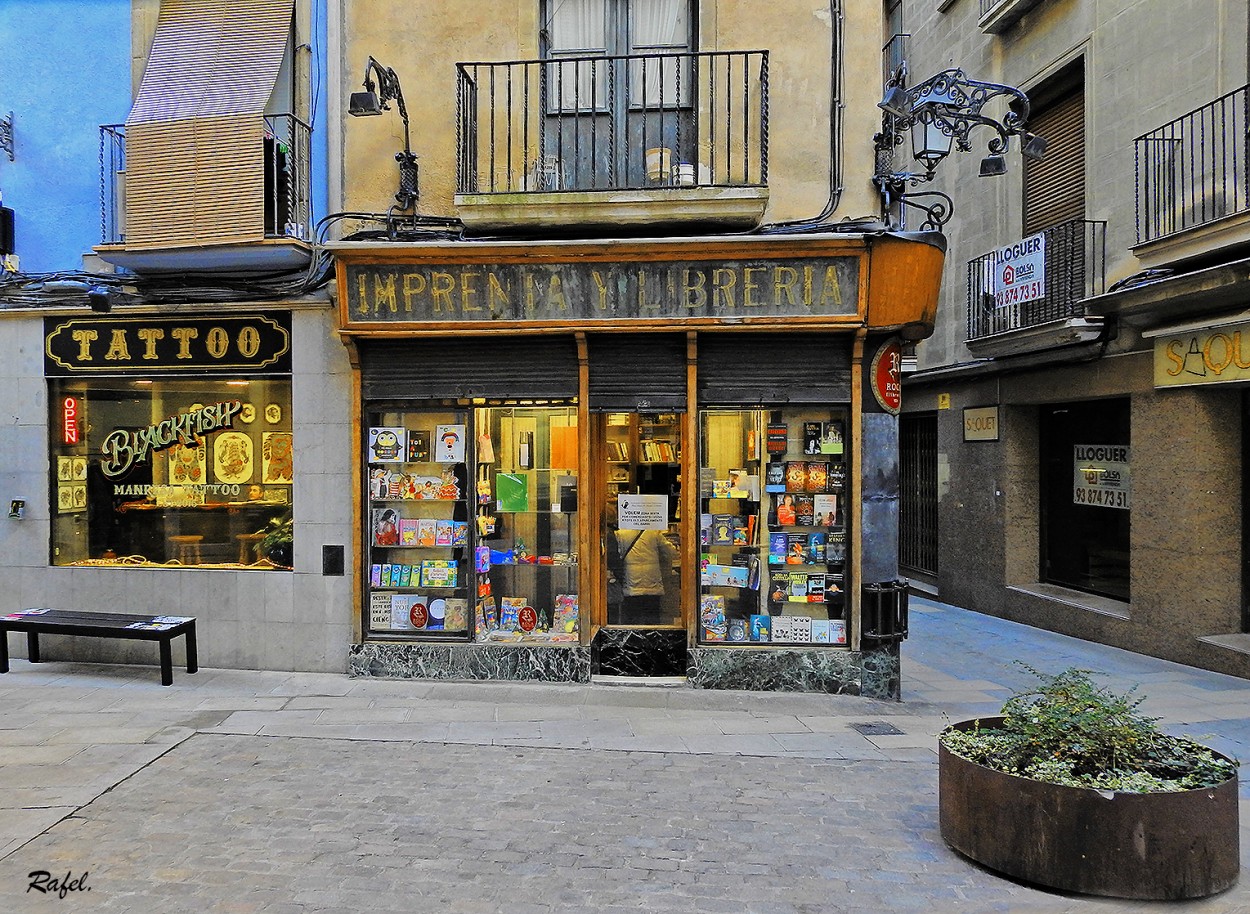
{"x":817,"y":476}
{"x":826,"y":508}
{"x":380,"y":611}
{"x":714,"y":575}
{"x":783,"y":628}
{"x":831,"y":438}
{"x":737,"y":630}
{"x":459,"y":533}
{"x":722,"y":530}
{"x":820,"y":631}
{"x":798,"y":588}
{"x":837,"y":631}
{"x":796,"y":548}
{"x":775,"y":477}
{"x":833,"y":589}
{"x":796,"y":476}
{"x":779,"y":588}
{"x":375,"y":575}
{"x":785,"y":510}
{"x":427,"y":532}
{"x":405,"y":575}
{"x":720,"y":488}
{"x":408,"y":611}
{"x":801,"y":630}
{"x":509,"y":612}
{"x":778,"y":548}
{"x":442,"y":533}
{"x":837,"y":477}
{"x":418,"y":446}
{"x":752,"y":564}
{"x":437,"y":608}
{"x":385,"y":445}
{"x":712,"y":617}
{"x":481,"y":559}
{"x":761,"y":627}
{"x":742,"y":531}
{"x":812,"y":433}
{"x":449,"y":444}
{"x":739,"y":484}
{"x":438,"y":573}
{"x":705,"y":529}
{"x":815,"y":588}
{"x":487,"y":614}
{"x":775,"y":440}
{"x":816,"y":547}
{"x":835,"y":547}
{"x":456,"y":618}
{"x":804,"y":510}
{"x":387,"y":573}
{"x":385,"y":524}
{"x":408,"y":531}
{"x":565,"y":614}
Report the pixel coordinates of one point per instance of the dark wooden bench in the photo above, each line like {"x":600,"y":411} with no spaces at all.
{"x":162,"y":629}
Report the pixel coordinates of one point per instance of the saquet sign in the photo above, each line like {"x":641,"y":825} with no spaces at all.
{"x":192,"y":344}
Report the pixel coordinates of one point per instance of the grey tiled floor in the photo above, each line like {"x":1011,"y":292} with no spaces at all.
{"x":278,"y":792}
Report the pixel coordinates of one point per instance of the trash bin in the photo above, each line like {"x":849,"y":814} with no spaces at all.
{"x":883,"y":613}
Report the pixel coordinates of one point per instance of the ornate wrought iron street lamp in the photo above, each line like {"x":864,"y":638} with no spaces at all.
{"x":940,"y":113}
{"x":371,"y":103}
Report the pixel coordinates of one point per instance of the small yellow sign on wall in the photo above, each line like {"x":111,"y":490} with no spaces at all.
{"x":944,"y":401}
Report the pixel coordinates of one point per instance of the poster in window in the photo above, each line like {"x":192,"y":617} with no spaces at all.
{"x":188,"y":465}
{"x":278,"y":457}
{"x":449,"y":443}
{"x":386,"y":445}
{"x":1101,"y":476}
{"x":232,"y":458}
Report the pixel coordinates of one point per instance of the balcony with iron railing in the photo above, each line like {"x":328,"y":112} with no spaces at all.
{"x":1075,"y":264}
{"x":613,"y":141}
{"x":997,"y":16}
{"x":280,"y":210}
{"x":1193,"y":182}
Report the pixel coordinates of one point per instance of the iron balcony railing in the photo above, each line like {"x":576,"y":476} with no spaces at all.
{"x":287,"y":161}
{"x":1193,"y":170}
{"x":1076,"y":268}
{"x":613,"y":122}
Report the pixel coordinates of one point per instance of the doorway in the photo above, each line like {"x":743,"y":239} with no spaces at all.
{"x":640,"y":618}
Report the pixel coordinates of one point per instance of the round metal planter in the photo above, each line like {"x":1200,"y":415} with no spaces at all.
{"x":1124,"y":845}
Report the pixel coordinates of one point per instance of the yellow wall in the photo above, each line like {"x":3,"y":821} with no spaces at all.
{"x":423,"y":42}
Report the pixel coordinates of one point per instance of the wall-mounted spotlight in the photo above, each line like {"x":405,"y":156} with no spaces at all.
{"x":371,"y":103}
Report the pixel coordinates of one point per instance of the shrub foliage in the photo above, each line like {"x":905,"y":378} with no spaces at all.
{"x":1068,"y":730}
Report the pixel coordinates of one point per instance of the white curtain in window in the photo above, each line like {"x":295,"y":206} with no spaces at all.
{"x":658,"y":25}
{"x":577,"y":28}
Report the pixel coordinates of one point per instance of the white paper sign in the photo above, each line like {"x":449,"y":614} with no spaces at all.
{"x":642,"y":512}
{"x":1100,"y":476}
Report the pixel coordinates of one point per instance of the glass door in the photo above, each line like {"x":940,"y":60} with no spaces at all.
{"x":641,"y":543}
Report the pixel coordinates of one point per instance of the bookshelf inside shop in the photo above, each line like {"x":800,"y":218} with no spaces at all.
{"x":643,"y":450}
{"x":487,"y":501}
{"x":773,"y":537}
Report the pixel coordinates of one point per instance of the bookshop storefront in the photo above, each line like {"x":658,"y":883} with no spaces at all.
{"x":630,"y":458}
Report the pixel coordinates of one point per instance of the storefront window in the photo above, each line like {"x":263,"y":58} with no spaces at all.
{"x":773,"y":541}
{"x":172,"y":472}
{"x":1086,"y":496}
{"x":473,"y":522}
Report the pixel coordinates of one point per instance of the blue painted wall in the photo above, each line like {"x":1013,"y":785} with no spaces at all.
{"x":64,"y":71}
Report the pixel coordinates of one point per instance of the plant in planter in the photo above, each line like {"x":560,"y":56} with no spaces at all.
{"x":276,"y":540}
{"x":1071,"y":787}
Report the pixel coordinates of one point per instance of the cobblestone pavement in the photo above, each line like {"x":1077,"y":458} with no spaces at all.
{"x":255,"y":791}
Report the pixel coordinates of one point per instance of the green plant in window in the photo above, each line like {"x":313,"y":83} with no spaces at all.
{"x":276,"y":539}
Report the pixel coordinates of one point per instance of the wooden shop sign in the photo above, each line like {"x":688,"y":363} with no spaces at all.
{"x":580,"y":291}
{"x":239,"y":343}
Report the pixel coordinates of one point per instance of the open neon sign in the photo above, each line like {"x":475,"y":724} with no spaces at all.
{"x":69,"y":420}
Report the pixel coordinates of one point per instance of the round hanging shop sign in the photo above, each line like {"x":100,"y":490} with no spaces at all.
{"x":887,"y":376}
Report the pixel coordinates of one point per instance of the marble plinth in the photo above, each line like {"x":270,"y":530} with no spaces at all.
{"x":870,"y":673}
{"x":494,"y":662}
{"x":639,"y":652}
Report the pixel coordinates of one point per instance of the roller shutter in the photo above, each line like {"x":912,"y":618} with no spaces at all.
{"x":466,"y":367}
{"x":1054,"y":188}
{"x":637,"y":372}
{"x":771,"y":368}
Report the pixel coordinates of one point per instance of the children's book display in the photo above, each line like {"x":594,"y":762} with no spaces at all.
{"x":418,"y":534}
{"x":448,"y":525}
{"x":773,"y":529}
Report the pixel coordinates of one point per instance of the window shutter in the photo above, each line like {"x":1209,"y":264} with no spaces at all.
{"x":1054,"y":188}
{"x":195,"y":151}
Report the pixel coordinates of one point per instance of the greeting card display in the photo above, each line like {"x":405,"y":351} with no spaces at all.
{"x":449,"y":443}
